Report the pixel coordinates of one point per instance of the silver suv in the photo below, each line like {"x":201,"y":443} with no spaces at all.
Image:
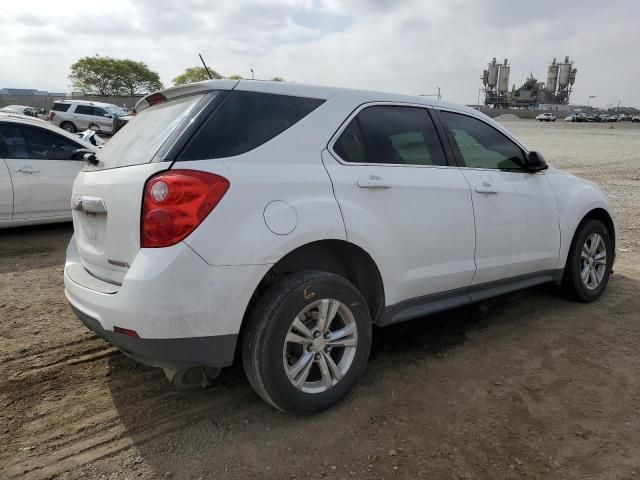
{"x":78,"y":115}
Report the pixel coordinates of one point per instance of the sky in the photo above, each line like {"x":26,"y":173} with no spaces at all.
{"x":403,"y":46}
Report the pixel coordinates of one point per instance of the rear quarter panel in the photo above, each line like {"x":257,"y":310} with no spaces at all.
{"x":289,"y":169}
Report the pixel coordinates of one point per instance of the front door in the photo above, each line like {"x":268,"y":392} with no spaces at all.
{"x":516,"y":213}
{"x":402,"y":202}
{"x":42,"y":171}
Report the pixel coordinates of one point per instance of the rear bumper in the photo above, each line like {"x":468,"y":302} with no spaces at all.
{"x":217,"y":351}
{"x":185,"y":311}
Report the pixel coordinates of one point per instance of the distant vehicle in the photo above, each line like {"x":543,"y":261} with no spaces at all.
{"x":581,"y":117}
{"x":546,"y":117}
{"x":287,"y":220}
{"x":22,"y":110}
{"x":593,"y":118}
{"x":76,"y":115}
{"x":635,"y":118}
{"x":38,"y":164}
{"x":571,"y":118}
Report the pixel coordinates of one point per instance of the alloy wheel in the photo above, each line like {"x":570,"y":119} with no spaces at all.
{"x":320,"y":346}
{"x":593,"y":261}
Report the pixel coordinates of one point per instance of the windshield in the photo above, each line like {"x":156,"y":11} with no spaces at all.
{"x":116,"y":111}
{"x":142,"y":137}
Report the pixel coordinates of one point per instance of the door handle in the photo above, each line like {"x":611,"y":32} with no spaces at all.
{"x":486,"y":190}
{"x":29,"y":170}
{"x":373,"y":181}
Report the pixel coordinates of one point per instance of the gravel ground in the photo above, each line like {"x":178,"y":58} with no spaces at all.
{"x":524,"y":386}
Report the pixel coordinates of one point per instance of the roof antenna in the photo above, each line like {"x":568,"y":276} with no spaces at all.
{"x":205,"y":67}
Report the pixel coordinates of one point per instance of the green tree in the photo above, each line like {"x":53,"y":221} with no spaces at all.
{"x":112,"y":76}
{"x":277,"y":79}
{"x":236,"y":77}
{"x":137,"y":78}
{"x":96,"y":75}
{"x":195,"y":74}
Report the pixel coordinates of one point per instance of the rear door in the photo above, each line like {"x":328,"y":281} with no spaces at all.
{"x":42,"y":170}
{"x":82,"y":116}
{"x":402,"y":202}
{"x":516,"y":213}
{"x":103,"y":119}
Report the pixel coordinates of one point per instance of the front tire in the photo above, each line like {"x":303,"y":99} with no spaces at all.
{"x":590,"y":260}
{"x":307,"y":342}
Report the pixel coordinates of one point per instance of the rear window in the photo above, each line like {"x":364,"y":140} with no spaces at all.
{"x":244,"y":121}
{"x":143,"y":136}
{"x":60,"y":107}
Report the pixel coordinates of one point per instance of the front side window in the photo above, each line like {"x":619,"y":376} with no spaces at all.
{"x":116,"y":111}
{"x":387,"y":134}
{"x":244,"y":121}
{"x":480,"y":145}
{"x":35,"y":143}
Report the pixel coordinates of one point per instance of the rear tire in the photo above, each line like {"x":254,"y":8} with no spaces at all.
{"x":69,"y":127}
{"x":589,"y":264}
{"x":298,"y":358}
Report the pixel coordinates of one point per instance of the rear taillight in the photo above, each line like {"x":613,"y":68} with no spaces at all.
{"x":175,"y":202}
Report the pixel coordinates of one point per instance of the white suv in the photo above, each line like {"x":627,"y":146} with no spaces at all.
{"x":77,"y":115}
{"x":282,"y":221}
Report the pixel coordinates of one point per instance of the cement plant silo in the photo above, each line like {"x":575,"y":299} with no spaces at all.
{"x":492,"y":74}
{"x":564,"y":74}
{"x":552,"y":77}
{"x":503,"y":77}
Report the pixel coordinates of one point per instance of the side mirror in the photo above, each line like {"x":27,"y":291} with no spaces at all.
{"x":108,"y":115}
{"x":80,"y":153}
{"x":536,"y":162}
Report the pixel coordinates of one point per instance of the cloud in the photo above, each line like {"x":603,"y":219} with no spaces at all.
{"x":411,"y":46}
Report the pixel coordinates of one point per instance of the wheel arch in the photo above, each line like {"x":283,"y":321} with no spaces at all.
{"x":601,"y":215}
{"x":335,"y":256}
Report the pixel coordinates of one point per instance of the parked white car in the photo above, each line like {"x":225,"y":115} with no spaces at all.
{"x":22,"y":110}
{"x":284,"y":220}
{"x":38,"y":164}
{"x":546,"y":117}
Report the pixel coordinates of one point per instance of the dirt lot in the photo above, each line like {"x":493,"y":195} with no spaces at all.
{"x":525,"y":386}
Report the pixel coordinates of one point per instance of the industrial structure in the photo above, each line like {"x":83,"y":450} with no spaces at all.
{"x":555,"y":91}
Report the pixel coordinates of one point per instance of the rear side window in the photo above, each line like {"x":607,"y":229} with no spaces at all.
{"x":389,"y":134}
{"x":84,"y":110}
{"x":60,"y":107}
{"x":244,"y":121}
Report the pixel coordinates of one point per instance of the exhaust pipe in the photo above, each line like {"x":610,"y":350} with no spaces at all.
{"x":186,"y":378}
